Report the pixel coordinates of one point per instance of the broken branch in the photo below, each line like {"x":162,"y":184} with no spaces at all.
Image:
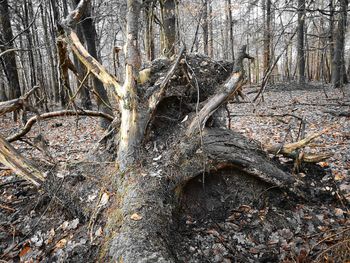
{"x":11,"y":158}
{"x":16,"y":104}
{"x":290,"y":149}
{"x":230,"y":88}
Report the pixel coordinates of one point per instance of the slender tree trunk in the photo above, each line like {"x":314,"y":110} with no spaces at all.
{"x":338,"y":65}
{"x":54,"y":55}
{"x":9,"y":59}
{"x":301,"y":41}
{"x":205,"y":26}
{"x":3,"y":96}
{"x":267,"y":34}
{"x":169,"y":26}
{"x":230,"y":27}
{"x":211,"y":32}
{"x":331,"y":39}
{"x":348,"y":70}
{"x":149,"y":34}
{"x":89,"y":32}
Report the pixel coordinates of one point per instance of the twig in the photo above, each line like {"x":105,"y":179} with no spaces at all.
{"x":7,"y":208}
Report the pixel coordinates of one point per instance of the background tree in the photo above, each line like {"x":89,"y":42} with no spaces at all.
{"x":169,"y":26}
{"x":8,"y":60}
{"x":301,"y":43}
{"x":338,"y":67}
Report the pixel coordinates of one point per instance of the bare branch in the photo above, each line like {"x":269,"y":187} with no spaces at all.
{"x":54,"y":114}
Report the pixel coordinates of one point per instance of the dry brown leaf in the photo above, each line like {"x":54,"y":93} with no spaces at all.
{"x":323,"y":164}
{"x":61,"y":243}
{"x":135,"y":217}
{"x":24,"y":251}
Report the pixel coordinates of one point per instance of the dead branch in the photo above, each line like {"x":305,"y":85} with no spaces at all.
{"x":230,"y":88}
{"x":91,"y":63}
{"x":159,"y":88}
{"x":290,"y":149}
{"x":16,"y":104}
{"x":54,"y":114}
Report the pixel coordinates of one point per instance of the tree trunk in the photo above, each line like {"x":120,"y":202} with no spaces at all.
{"x":9,"y":58}
{"x":230,"y":27}
{"x":301,"y":41}
{"x":331,"y":38}
{"x":89,"y":32}
{"x":338,"y":63}
{"x":211,"y":32}
{"x":205,"y":27}
{"x":169,"y":26}
{"x":84,"y":92}
{"x":149,"y":34}
{"x":267,"y":34}
{"x":52,"y":22}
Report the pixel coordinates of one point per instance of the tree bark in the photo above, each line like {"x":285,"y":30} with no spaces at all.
{"x":84,"y":92}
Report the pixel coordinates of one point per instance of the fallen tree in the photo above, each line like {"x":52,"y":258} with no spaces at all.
{"x":181,"y":111}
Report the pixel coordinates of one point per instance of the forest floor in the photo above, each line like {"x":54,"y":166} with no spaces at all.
{"x":269,"y":227}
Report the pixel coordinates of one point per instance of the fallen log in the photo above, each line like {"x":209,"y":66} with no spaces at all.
{"x":16,"y":104}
